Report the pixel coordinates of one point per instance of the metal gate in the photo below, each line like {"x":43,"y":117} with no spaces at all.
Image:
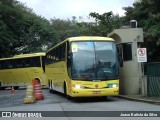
{"x":153,"y":79}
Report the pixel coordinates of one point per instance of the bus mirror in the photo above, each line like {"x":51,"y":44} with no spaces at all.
{"x":120,"y":61}
{"x":120,"y":58}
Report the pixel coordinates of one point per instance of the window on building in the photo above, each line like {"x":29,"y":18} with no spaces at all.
{"x":127,"y":51}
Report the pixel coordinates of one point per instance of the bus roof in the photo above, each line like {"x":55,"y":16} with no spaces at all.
{"x":81,"y":38}
{"x":25,"y":55}
{"x":89,"y":38}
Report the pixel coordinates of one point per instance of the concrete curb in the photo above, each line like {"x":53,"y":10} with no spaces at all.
{"x":139,"y":99}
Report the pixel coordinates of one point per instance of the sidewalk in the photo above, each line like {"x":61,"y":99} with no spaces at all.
{"x":155,"y":100}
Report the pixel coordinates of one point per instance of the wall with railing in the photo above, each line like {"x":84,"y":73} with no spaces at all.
{"x":152,"y":73}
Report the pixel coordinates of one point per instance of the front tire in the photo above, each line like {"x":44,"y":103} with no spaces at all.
{"x":65,"y":92}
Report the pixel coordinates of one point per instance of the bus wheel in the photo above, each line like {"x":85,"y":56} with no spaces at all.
{"x":65,"y":92}
{"x":38,"y":80}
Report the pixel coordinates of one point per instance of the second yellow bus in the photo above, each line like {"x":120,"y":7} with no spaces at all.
{"x":20,"y":70}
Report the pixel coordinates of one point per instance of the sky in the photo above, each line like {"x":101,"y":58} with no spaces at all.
{"x":65,"y":9}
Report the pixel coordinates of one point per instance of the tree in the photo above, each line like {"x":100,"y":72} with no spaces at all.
{"x":106,"y":23}
{"x":147,"y":13}
{"x":86,"y":28}
{"x":65,"y":28}
{"x":21,"y":30}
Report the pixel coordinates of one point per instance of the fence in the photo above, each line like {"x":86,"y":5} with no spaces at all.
{"x":153,"y":79}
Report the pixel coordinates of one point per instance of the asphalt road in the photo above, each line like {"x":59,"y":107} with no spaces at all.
{"x":90,"y":107}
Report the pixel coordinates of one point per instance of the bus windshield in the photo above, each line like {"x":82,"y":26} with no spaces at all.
{"x":94,"y":60}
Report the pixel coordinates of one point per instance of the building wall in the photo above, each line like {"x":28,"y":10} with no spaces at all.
{"x":130,"y":74}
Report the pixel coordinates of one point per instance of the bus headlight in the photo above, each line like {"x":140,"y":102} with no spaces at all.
{"x":112,"y":85}
{"x":78,"y":86}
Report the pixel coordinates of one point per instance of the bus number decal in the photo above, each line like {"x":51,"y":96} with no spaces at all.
{"x":74,"y":47}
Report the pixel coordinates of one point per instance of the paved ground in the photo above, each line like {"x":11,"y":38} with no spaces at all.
{"x":5,"y":96}
{"x":55,"y":102}
{"x":154,"y":100}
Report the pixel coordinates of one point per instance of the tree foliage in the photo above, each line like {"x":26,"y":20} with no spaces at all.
{"x":106,"y":22}
{"x":64,"y":28}
{"x":147,"y":14}
{"x":21,"y":30}
{"x":72,"y":28}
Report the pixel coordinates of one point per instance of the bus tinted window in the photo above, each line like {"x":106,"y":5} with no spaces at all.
{"x":30,"y":62}
{"x":56,"y":54}
{"x":20,"y":63}
{"x":94,"y":60}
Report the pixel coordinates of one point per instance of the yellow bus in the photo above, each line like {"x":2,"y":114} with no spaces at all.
{"x":20,"y":70}
{"x":83,"y":67}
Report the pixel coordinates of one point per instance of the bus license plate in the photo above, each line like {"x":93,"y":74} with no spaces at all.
{"x":96,"y":92}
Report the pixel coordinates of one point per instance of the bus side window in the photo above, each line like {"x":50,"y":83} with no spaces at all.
{"x":43,"y":62}
{"x":60,"y":52}
{"x":19,"y":63}
{"x":13,"y":64}
{"x":68,"y":59}
{"x":68,"y":56}
{"x":63,"y":51}
{"x":16,"y":63}
{"x":22,"y":63}
{"x":56,"y":54}
{"x":28,"y":62}
{"x":35,"y":62}
{"x":10,"y":64}
{"x":47,"y":59}
{"x":0,"y":64}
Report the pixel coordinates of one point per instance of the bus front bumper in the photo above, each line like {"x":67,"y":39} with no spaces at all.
{"x":94,"y":92}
